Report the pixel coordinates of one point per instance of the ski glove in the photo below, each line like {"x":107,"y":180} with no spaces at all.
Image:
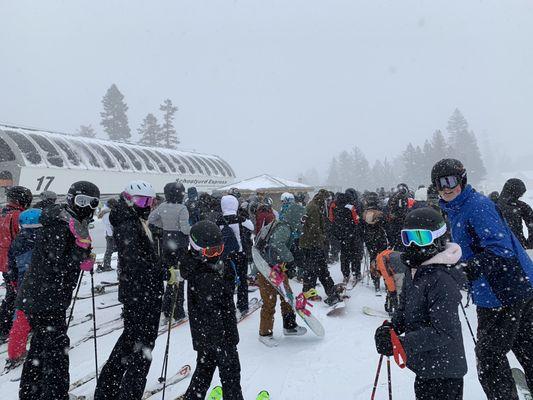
{"x":174,"y":276}
{"x":383,"y":341}
{"x":87,"y":265}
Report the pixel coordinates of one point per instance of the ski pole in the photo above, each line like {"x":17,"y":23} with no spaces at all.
{"x":468,"y":323}
{"x":94,"y":327}
{"x":163,"y":377}
{"x":376,"y":378}
{"x":389,"y":378}
{"x":74,"y":300}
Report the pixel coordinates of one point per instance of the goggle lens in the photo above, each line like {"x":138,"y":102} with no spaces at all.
{"x":142,"y":201}
{"x":213,"y":251}
{"x":447,"y":182}
{"x":420,"y":237}
{"x":82,"y":200}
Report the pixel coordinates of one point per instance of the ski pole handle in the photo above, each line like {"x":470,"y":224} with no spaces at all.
{"x":400,"y":357}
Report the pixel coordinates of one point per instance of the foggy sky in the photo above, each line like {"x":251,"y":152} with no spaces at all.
{"x":275,"y":86}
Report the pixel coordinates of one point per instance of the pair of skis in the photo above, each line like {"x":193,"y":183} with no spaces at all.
{"x":216,"y":394}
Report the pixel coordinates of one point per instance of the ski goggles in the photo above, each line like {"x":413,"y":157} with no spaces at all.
{"x":421,"y":237}
{"x":82,"y":200}
{"x":142,"y":201}
{"x":209,"y":252}
{"x":449,"y":182}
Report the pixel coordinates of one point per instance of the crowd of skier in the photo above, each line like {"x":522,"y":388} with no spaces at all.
{"x":425,"y":245}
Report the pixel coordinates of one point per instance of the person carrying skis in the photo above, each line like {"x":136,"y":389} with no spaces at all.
{"x":427,"y":315}
{"x":499,"y":272}
{"x":393,"y":271}
{"x":20,"y":254}
{"x":212,"y":319}
{"x":233,"y":232}
{"x":123,"y":376}
{"x":18,"y":199}
{"x":313,"y":244}
{"x":172,"y":217}
{"x":274,"y":243}
{"x":62,"y":250}
{"x":517,"y":212}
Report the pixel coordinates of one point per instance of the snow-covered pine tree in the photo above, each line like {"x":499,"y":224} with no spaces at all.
{"x":168,"y":137}
{"x":361,"y":170}
{"x":86,"y":131}
{"x":464,"y":147}
{"x":149,"y":131}
{"x":114,"y":118}
{"x":333,"y":173}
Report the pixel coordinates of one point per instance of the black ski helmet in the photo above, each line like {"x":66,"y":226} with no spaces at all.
{"x":449,"y":167}
{"x":205,"y":234}
{"x":371,"y":200}
{"x":174,"y":192}
{"x":82,"y":188}
{"x":20,"y":195}
{"x":425,"y":218}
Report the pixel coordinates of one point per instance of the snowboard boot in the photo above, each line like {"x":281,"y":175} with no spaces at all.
{"x":215,"y":394}
{"x":333,"y":299}
{"x":346,"y":280}
{"x":268,"y":341}
{"x":263,"y":395}
{"x":312,"y":295}
{"x":296,"y":331}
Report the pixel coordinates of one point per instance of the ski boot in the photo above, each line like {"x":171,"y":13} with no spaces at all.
{"x":333,"y":299}
{"x":263,"y":395}
{"x":312,"y":295}
{"x":296,"y":331}
{"x":215,"y":394}
{"x":268,"y":341}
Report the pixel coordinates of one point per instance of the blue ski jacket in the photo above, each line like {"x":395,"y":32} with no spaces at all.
{"x":500,"y":270}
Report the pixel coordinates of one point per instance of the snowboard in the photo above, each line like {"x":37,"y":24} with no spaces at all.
{"x":265,"y":269}
{"x":521,"y":384}
{"x":375,"y":313}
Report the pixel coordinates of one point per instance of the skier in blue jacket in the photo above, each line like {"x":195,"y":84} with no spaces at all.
{"x":500,"y":277}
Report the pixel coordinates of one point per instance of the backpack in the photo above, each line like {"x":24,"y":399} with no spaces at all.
{"x":262,"y":238}
{"x":231,"y":244}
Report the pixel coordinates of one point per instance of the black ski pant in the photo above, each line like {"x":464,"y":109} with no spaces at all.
{"x":7,"y":309}
{"x":123,"y":376}
{"x":110,"y":248}
{"x":316,"y":267}
{"x":45,"y":374}
{"x":439,"y":388}
{"x":501,"y":330}
{"x":168,"y":298}
{"x":298,"y":259}
{"x":351,"y":257}
{"x":229,"y":369}
{"x":239,"y":262}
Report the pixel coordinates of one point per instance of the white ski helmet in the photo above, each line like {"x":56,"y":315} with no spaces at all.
{"x":139,"y":188}
{"x":287,"y":197}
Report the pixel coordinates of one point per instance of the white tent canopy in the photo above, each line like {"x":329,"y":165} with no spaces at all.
{"x":267,"y":183}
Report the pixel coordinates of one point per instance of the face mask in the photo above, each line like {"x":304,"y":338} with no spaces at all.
{"x":83,"y":213}
{"x":414,"y":256}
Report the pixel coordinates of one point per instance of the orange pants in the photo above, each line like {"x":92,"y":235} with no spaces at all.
{"x":18,"y":336}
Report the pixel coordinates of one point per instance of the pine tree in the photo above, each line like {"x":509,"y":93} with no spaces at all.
{"x":410,"y":158}
{"x":114,"y":118}
{"x":86,"y":131}
{"x":149,"y":131}
{"x":333,"y":174}
{"x":169,"y":137}
{"x":346,"y":169}
{"x":439,"y":147}
{"x":464,"y":147}
{"x":361,"y":170}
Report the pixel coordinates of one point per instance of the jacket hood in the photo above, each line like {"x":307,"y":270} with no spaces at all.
{"x":450,"y":256}
{"x":229,"y":205}
{"x":54,"y":214}
{"x":321,"y":197}
{"x":513,"y":189}
{"x":421,"y":194}
{"x":342,"y":199}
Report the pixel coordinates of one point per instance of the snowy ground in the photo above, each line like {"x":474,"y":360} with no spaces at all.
{"x":339,"y":366}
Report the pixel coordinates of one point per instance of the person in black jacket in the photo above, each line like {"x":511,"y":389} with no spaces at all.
{"x":346,"y":230}
{"x":515,"y":211}
{"x":63,"y":249}
{"x":141,"y":278}
{"x":428,"y":314}
{"x":210,"y":287}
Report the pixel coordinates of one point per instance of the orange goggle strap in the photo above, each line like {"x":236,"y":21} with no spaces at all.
{"x":207,"y":251}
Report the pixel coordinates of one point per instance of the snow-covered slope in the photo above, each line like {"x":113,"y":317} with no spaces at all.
{"x":339,"y":366}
